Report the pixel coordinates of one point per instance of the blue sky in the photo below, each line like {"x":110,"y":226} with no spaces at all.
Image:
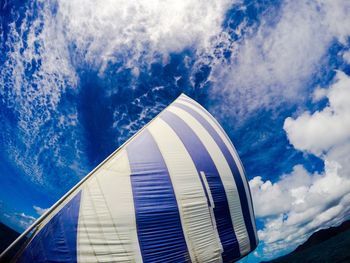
{"x":79,"y":77}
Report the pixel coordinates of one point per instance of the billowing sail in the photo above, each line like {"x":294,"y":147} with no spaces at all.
{"x":175,"y":192}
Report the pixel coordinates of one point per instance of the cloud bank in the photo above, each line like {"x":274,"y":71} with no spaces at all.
{"x":113,"y":30}
{"x":300,"y":203}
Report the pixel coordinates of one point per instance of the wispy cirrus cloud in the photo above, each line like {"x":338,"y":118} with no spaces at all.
{"x":40,"y":210}
{"x":276,"y":61}
{"x":53,"y":40}
{"x":36,"y":73}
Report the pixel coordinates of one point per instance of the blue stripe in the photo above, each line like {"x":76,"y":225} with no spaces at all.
{"x":234,"y":169}
{"x":203,"y":162}
{"x":201,"y":108}
{"x":159,"y":228}
{"x":57,"y":240}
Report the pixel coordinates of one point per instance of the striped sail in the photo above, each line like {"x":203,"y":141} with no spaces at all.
{"x":175,"y":192}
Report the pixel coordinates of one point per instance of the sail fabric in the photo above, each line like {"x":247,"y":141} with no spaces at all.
{"x":175,"y":192}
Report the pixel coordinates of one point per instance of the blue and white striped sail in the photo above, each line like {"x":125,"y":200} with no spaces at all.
{"x":175,"y":192}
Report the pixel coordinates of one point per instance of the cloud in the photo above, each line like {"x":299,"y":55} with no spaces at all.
{"x":23,"y":221}
{"x":35,"y":75}
{"x":275,"y":62}
{"x":37,"y":70}
{"x":40,"y":210}
{"x":266,"y":193}
{"x":49,"y":44}
{"x":346,"y":57}
{"x":304,"y":203}
{"x":320,"y":131}
{"x":104,"y":30}
{"x":300,"y":203}
{"x":15,"y":219}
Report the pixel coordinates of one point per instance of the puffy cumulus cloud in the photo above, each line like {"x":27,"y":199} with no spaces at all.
{"x":300,"y":203}
{"x":104,"y":30}
{"x":320,"y":131}
{"x":281,"y":194}
{"x":274,"y":62}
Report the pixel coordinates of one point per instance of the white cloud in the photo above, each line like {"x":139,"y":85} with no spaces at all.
{"x":35,"y":74}
{"x":309,"y":202}
{"x":104,"y":30}
{"x":274,"y":64}
{"x":15,"y":219}
{"x":40,"y":210}
{"x":346,"y":57}
{"x":37,"y":69}
{"x":57,"y":38}
{"x":282,"y":194}
{"x":300,"y":203}
{"x":321,"y":130}
{"x":23,"y":221}
{"x":319,"y":93}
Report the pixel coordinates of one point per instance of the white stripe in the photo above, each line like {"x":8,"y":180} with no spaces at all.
{"x":200,"y":235}
{"x":225,"y":174}
{"x":231,"y":148}
{"x":107,"y":225}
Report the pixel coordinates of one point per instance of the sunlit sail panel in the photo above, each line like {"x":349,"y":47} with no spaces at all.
{"x":174,"y":192}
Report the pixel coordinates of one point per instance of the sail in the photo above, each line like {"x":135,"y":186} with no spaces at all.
{"x":175,"y":192}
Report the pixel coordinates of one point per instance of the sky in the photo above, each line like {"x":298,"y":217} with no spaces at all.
{"x":78,"y":78}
